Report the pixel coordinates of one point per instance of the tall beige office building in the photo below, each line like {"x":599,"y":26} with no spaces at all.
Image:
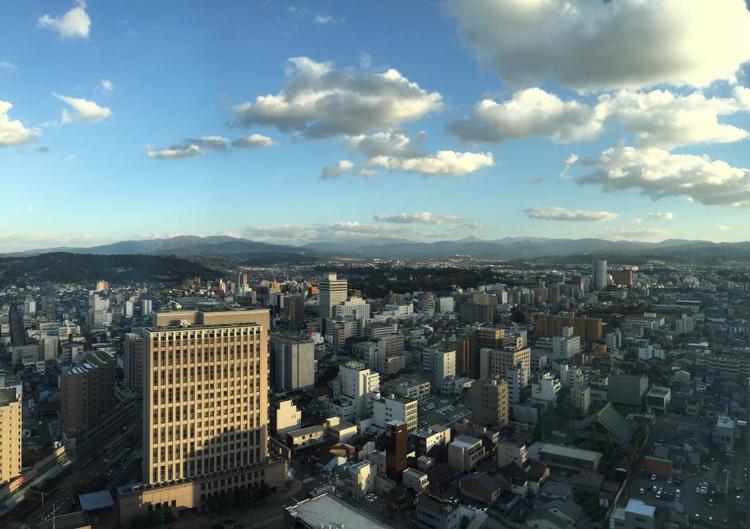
{"x":205,"y":410}
{"x":11,"y":432}
{"x":489,"y":402}
{"x":331,"y":292}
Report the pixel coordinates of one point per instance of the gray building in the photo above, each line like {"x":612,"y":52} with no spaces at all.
{"x":627,"y":390}
{"x":293,"y":362}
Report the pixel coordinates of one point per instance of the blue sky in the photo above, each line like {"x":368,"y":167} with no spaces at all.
{"x":145,"y":84}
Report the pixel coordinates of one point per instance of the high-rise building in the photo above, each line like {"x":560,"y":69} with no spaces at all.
{"x":332,"y":291}
{"x":11,"y":432}
{"x":443,"y":366}
{"x":489,"y":402}
{"x":294,"y":309}
{"x":133,"y":351}
{"x":87,"y":392}
{"x":147,"y":307}
{"x":205,"y":410}
{"x":600,"y":275}
{"x":354,"y":389}
{"x":293,"y":362}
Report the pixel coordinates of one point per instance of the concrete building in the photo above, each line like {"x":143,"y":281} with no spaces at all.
{"x":395,"y":408}
{"x":416,"y":480}
{"x":636,"y":515}
{"x":285,"y":417}
{"x":497,"y":362}
{"x":87,"y":392}
{"x":355,"y":388}
{"x":435,"y":435}
{"x":465,"y":452}
{"x":362,"y":475}
{"x":489,"y":402}
{"x":511,"y":451}
{"x":627,"y":390}
{"x":658,"y":400}
{"x":724,"y":433}
{"x":443,"y":366}
{"x":331,"y":292}
{"x":293,"y":362}
{"x":546,"y":388}
{"x":356,"y":308}
{"x":205,"y":410}
{"x":11,"y":433}
{"x":565,"y":346}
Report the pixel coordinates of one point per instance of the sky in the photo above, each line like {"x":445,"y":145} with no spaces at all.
{"x":428,"y":120}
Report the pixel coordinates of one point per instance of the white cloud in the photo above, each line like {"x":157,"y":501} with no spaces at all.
{"x":174,"y":152}
{"x":723,"y":227}
{"x":106,"y":85}
{"x":8,"y":66}
{"x":423,"y":217}
{"x":191,"y":147}
{"x":659,"y":118}
{"x":597,"y":45}
{"x":440,"y":163}
{"x":321,"y":101}
{"x":536,"y":179}
{"x":73,"y":24}
{"x":658,"y":173}
{"x":12,"y":131}
{"x":571,"y":160}
{"x":254,"y":141}
{"x":326,"y":19}
{"x":214,"y":143}
{"x":568,"y":215}
{"x":83,"y":110}
{"x":341,"y":167}
{"x":636,"y":234}
{"x":659,"y":215}
{"x":529,"y":113}
{"x":394,"y":150}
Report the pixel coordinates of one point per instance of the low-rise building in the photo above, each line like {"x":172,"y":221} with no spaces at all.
{"x":465,"y":452}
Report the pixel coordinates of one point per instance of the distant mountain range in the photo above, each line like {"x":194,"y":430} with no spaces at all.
{"x":510,"y":248}
{"x":78,"y":268}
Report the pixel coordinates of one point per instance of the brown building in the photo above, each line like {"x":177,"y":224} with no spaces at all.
{"x":396,"y":448}
{"x":87,"y":392}
{"x":489,"y":402}
{"x":622,"y":277}
{"x":589,"y":329}
{"x":205,"y":410}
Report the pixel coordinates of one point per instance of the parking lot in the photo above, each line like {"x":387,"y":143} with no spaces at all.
{"x":440,"y":409}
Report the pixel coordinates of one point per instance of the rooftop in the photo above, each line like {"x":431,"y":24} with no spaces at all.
{"x":641,"y":508}
{"x":325,"y":510}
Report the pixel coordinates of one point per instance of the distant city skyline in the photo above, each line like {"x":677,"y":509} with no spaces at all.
{"x":297,"y":122}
